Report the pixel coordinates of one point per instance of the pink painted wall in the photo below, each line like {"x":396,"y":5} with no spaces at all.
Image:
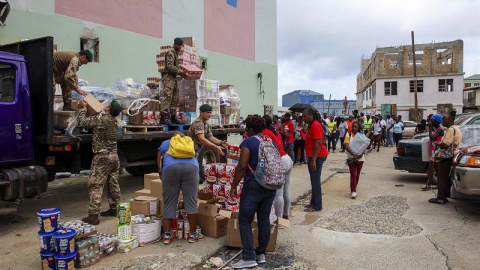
{"x":139,"y":16}
{"x":230,"y":30}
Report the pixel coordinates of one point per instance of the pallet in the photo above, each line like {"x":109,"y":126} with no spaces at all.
{"x":131,"y":129}
{"x":177,"y":127}
{"x":231,"y":126}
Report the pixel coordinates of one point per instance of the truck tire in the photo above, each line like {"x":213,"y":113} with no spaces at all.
{"x":207,"y":155}
{"x":51,"y":175}
{"x":141,"y":170}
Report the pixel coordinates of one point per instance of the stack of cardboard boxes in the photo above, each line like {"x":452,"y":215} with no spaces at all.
{"x":208,"y":93}
{"x":187,"y":59}
{"x":229,"y":105}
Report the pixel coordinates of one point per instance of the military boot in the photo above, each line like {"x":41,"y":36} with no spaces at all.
{"x":91,"y":219}
{"x":165,"y":118}
{"x":67,"y":106}
{"x":109,"y":213}
{"x":174,"y":119}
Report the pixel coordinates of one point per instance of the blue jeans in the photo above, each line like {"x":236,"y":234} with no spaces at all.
{"x":289,"y":150}
{"x":315,"y":181}
{"x":389,"y":138}
{"x":255,"y":199}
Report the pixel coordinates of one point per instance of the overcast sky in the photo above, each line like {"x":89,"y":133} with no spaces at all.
{"x":320,"y":43}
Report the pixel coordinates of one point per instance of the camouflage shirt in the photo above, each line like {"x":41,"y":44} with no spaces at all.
{"x":171,"y":63}
{"x":104,"y":131}
{"x":66,"y":64}
{"x":199,"y":127}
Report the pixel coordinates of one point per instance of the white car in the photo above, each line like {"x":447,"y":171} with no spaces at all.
{"x":409,"y":129}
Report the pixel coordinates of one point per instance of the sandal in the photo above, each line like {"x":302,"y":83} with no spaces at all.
{"x":437,"y":201}
{"x":310,"y":209}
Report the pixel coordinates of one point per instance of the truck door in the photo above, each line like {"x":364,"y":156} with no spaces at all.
{"x":15,"y":127}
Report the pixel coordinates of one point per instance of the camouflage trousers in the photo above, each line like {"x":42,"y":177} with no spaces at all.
{"x":66,"y":92}
{"x":170,"y":94}
{"x":105,"y":167}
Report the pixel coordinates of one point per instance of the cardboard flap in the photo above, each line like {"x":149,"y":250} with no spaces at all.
{"x":145,"y":198}
{"x":207,"y":209}
{"x":284,"y":222}
{"x":225,"y":213}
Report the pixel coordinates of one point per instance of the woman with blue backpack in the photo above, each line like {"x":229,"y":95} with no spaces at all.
{"x":260,"y":162}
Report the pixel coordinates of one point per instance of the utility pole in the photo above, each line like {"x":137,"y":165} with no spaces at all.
{"x":415,"y":111}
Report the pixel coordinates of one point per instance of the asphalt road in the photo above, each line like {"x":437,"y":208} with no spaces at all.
{"x":390,"y":225}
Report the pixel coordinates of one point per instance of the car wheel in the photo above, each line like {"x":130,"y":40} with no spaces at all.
{"x":141,"y":170}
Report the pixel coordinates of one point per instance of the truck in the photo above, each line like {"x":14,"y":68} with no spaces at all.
{"x":32,"y":151}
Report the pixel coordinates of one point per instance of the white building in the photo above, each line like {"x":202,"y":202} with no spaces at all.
{"x":386,"y":84}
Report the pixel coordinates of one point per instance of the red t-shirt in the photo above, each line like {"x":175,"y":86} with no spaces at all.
{"x":349,"y":124}
{"x":289,"y":127}
{"x":315,"y":132}
{"x":276,"y":139}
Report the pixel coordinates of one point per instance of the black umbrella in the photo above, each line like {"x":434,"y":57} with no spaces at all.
{"x":300,"y":107}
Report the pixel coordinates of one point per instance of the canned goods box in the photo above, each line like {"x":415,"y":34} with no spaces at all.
{"x":147,"y":233}
{"x":127,"y":245}
{"x":146,"y":205}
{"x":233,"y":231}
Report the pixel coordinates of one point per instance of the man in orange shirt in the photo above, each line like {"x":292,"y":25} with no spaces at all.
{"x":349,"y":123}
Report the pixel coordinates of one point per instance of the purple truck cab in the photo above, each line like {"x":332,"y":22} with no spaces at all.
{"x":16,"y":130}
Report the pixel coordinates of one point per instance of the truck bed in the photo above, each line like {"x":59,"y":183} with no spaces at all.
{"x":87,"y":138}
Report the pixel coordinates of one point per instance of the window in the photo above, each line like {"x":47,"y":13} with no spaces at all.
{"x":419,"y":86}
{"x":93,"y":45}
{"x":445,"y":85}
{"x":476,"y":84}
{"x":468,"y":85}
{"x":390,"y":88}
{"x":7,"y":83}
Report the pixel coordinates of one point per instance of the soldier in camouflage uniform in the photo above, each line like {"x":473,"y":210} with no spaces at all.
{"x":201,"y":132}
{"x":105,"y":163}
{"x":65,"y":67}
{"x":169,"y":81}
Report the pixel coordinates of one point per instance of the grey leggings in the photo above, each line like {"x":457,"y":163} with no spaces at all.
{"x":282,"y":200}
{"x":175,"y":177}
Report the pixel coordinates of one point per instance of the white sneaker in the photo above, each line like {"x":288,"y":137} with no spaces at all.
{"x":261,"y":259}
{"x":244,"y":264}
{"x":354,"y":195}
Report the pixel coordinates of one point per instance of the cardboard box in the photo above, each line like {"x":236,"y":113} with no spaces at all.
{"x":160,"y":207}
{"x":144,"y":205}
{"x":156,"y":188}
{"x":225,"y":110}
{"x":233,"y":231}
{"x":127,"y":245}
{"x":147,"y":233}
{"x":190,"y":41}
{"x":142,"y":192}
{"x":212,"y":224}
{"x":93,"y":105}
{"x":147,"y":178}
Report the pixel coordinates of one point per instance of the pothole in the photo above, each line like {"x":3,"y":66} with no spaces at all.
{"x":379,"y":215}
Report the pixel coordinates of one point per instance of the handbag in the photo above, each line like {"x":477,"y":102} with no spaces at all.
{"x":445,"y":153}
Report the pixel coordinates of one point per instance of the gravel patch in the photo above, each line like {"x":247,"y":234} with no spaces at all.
{"x":379,"y":215}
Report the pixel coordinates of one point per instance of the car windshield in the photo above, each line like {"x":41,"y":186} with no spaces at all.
{"x":460,"y":119}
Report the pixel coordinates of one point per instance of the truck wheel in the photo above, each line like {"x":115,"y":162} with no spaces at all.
{"x":141,"y":170}
{"x":206,"y":155}
{"x":51,"y":175}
